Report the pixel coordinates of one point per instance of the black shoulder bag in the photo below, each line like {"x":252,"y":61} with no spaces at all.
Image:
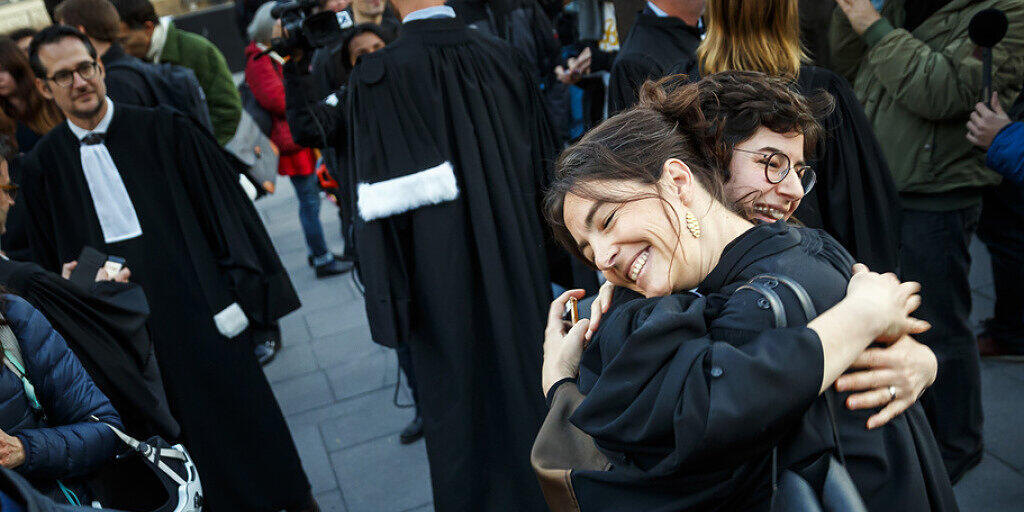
{"x":790,"y":491}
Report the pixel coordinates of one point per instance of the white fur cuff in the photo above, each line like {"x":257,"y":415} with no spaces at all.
{"x":399,"y":195}
{"x":231,"y":321}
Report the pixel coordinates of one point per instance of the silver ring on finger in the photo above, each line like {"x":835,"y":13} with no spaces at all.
{"x":892,"y":393}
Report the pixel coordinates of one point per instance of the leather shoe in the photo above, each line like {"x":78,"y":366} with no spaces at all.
{"x":265,"y":352}
{"x":413,"y":431}
{"x":333,"y":268}
{"x":339,"y":257}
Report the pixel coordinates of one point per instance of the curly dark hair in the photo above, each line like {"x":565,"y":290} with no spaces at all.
{"x":699,"y":123}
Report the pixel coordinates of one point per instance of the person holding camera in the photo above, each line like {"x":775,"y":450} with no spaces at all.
{"x":264,"y":74}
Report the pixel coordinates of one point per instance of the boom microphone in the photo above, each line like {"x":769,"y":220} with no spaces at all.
{"x":987,"y":28}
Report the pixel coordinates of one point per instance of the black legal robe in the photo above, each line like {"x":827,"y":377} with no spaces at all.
{"x":203,"y":247}
{"x":449,"y":159}
{"x":855,"y":199}
{"x":688,"y":396}
{"x":653,"y":46}
{"x":105,"y":327}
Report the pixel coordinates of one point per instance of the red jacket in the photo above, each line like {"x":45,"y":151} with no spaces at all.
{"x":266,"y":79}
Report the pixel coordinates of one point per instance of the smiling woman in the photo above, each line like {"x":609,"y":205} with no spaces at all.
{"x":695,"y":399}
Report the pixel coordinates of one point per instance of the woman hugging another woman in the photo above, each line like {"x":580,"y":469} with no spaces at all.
{"x":697,"y":396}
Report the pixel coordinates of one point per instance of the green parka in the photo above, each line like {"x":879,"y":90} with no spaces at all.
{"x":202,"y":57}
{"x":919,"y":88}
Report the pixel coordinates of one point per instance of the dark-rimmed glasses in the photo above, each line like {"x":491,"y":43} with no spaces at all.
{"x":66,"y":77}
{"x":11,"y":189}
{"x":777,"y":167}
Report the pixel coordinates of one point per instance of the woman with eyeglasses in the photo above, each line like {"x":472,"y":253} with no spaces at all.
{"x":698,"y":401}
{"x":854,"y":198}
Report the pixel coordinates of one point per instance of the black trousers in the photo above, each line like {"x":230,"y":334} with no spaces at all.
{"x":1002,"y":229}
{"x":935,"y":254}
{"x":405,"y":362}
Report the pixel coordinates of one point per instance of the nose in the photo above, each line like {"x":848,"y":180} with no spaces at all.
{"x":605,"y":254}
{"x":78,"y":81}
{"x":790,"y":188}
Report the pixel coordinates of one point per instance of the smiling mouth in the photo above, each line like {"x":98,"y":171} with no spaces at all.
{"x":638,"y":264}
{"x":768,"y":211}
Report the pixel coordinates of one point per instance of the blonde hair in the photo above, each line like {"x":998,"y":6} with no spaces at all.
{"x":745,"y":35}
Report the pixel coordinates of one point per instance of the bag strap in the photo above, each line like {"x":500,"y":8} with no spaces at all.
{"x":810,"y":313}
{"x":765,"y":285}
{"x":149,"y":452}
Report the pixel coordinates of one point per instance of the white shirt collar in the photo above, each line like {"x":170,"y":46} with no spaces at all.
{"x":104,"y":123}
{"x":657,"y":12}
{"x":437,"y":11}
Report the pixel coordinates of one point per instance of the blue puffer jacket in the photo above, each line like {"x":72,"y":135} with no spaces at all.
{"x":1006,"y":154}
{"x":72,"y":445}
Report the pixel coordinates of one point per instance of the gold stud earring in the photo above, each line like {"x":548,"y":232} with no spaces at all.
{"x":692,"y":224}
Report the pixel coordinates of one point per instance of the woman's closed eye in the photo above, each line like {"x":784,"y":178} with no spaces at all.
{"x":608,"y":220}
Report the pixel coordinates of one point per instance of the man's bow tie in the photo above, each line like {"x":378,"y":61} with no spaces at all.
{"x":93,"y":138}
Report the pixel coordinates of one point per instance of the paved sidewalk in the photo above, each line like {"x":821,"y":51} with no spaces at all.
{"x":336,"y":388}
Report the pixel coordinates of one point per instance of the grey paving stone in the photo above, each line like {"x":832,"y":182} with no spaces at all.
{"x":294,"y":328}
{"x":344,"y":346}
{"x":357,"y":376}
{"x":291,"y":361}
{"x":323,"y":322}
{"x":1012,"y":369}
{"x":1003,"y":406}
{"x":331,"y":502}
{"x":314,"y":458}
{"x":427,"y":507}
{"x":303,"y":393}
{"x":992,"y":486}
{"x":397,"y":479}
{"x":364,"y":418}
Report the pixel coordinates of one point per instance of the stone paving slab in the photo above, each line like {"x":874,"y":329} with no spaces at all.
{"x":336,"y":388}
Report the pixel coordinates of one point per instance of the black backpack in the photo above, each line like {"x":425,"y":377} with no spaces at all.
{"x":174,"y":86}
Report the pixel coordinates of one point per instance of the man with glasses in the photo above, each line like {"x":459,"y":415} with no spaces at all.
{"x":150,"y":186}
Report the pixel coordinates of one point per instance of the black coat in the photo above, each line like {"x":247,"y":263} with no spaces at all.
{"x":653,"y":46}
{"x":126,"y":84}
{"x":689,"y":419}
{"x":855,"y":199}
{"x":106,"y":328}
{"x":451,"y":151}
{"x":203,"y":247}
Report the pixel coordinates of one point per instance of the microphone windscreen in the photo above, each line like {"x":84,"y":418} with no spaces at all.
{"x":988,"y":27}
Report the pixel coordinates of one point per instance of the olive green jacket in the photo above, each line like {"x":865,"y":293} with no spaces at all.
{"x":200,"y":55}
{"x":919,"y":88}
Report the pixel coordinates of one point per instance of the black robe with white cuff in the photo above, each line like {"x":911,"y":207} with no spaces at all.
{"x":450,"y":148}
{"x":202,"y":249}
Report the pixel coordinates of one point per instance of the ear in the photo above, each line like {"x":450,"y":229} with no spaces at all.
{"x":149,"y":28}
{"x":44,"y":88}
{"x":680,"y":179}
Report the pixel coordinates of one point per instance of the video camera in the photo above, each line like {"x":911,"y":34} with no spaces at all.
{"x":305,"y":29}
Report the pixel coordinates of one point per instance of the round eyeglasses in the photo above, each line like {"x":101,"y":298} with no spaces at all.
{"x":66,"y":77}
{"x":777,"y":167}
